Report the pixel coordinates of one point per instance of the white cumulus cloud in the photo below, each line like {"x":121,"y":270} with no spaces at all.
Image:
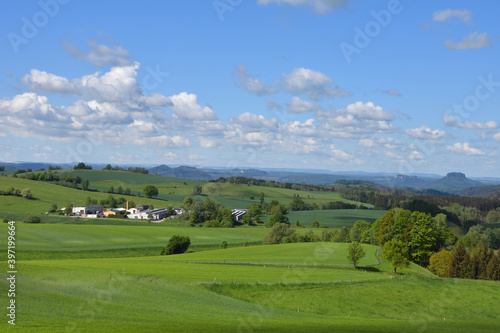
{"x":185,"y":106}
{"x":425,"y":133}
{"x":311,"y":83}
{"x":475,"y":40}
{"x":355,"y":120}
{"x":450,"y":121}
{"x":298,"y":105}
{"x":463,"y":15}
{"x":464,"y":148}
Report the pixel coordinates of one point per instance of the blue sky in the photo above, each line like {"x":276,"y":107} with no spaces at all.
{"x":383,"y":86}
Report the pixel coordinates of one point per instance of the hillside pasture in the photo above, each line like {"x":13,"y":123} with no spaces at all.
{"x":312,"y":254}
{"x":46,"y":194}
{"x":283,"y":195}
{"x":103,"y":179}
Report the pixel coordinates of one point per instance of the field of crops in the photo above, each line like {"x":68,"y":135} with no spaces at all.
{"x":334,"y":218}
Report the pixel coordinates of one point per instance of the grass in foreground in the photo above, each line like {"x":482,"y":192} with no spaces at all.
{"x":154,"y":294}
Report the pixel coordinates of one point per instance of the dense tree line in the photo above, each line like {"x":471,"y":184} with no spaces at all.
{"x":376,"y":198}
{"x":82,"y":166}
{"x":482,"y":263}
{"x":209,"y":212}
{"x":297,"y":204}
{"x":392,"y":198}
{"x":130,"y":169}
{"x":272,"y":183}
{"x":25,"y":193}
{"x":420,"y":234}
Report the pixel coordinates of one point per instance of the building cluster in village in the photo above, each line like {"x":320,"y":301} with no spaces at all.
{"x":141,"y":212}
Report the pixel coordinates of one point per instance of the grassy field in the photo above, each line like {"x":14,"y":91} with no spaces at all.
{"x":157,"y":294}
{"x":55,"y":241}
{"x":172,"y":191}
{"x":103,"y":179}
{"x":315,"y":254}
{"x":412,"y":299}
{"x":283,"y":195}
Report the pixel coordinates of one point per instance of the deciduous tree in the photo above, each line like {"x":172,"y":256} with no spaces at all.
{"x":276,"y":219}
{"x":197,"y":189}
{"x":440,"y":263}
{"x":423,"y":238}
{"x":396,"y":252}
{"x":150,"y":191}
{"x":278,"y":233}
{"x":355,"y":253}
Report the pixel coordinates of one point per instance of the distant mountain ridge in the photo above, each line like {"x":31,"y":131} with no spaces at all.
{"x":453,"y":182}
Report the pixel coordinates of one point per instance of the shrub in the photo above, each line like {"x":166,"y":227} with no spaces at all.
{"x":32,"y":219}
{"x":440,"y":263}
{"x":277,"y":218}
{"x":226,"y":223}
{"x":211,"y":224}
{"x":176,"y":245}
{"x":27,"y":193}
{"x":278,"y":233}
{"x":223,"y":245}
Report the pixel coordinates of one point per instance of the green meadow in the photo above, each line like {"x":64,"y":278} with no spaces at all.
{"x":55,"y":241}
{"x":181,"y":294}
